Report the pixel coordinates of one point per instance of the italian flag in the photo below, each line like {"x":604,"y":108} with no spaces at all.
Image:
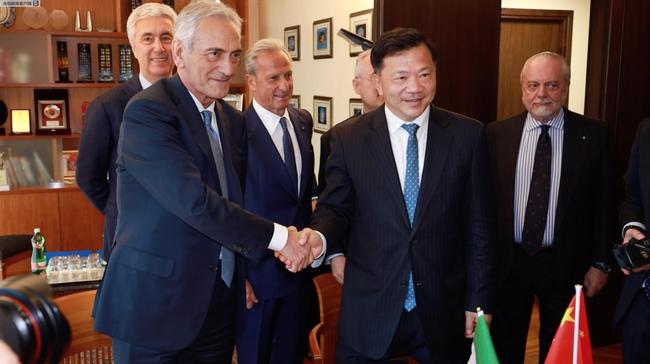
{"x":571,"y":344}
{"x":484,"y":349}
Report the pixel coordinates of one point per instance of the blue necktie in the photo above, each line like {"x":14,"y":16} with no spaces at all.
{"x":227,"y":256}
{"x":289,"y":156}
{"x":411,"y":191}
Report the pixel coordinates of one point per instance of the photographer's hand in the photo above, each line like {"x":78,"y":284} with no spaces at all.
{"x":638,"y":235}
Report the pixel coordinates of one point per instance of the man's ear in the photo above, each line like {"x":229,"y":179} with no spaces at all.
{"x":250,"y":82}
{"x":177,"y":53}
{"x":375,"y":81}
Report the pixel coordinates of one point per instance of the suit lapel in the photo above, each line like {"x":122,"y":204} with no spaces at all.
{"x":437,"y":149}
{"x":193,"y":122}
{"x":304,"y":144}
{"x":234,"y":190}
{"x":380,"y":148}
{"x":270,"y":155}
{"x":507,"y":148}
{"x":573,"y":155}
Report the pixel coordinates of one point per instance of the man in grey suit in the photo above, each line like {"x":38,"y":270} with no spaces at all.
{"x":150,"y":29}
{"x":408,"y":184}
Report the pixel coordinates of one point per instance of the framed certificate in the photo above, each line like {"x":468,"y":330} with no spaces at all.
{"x":51,"y":109}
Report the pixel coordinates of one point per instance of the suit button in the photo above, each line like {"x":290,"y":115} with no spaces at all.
{"x":418,"y":284}
{"x":214,"y":267}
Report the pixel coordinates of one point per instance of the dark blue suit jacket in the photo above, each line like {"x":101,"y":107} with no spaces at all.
{"x":448,"y":248}
{"x":268,"y":193}
{"x":98,"y":151}
{"x":173,"y":220}
{"x":636,"y":206}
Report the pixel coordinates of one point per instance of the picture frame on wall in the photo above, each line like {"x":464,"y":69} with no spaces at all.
{"x":292,"y":41}
{"x":69,"y":163}
{"x":322,"y":114}
{"x":356,"y":107}
{"x":322,"y":38}
{"x":361,"y":25}
{"x":295,"y":101}
{"x":235,"y":100}
{"x":51,"y":109}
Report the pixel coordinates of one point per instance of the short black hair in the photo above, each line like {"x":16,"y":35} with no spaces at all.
{"x":398,"y":40}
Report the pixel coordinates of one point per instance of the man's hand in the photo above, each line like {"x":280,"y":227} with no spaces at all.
{"x":470,"y":322}
{"x":638,"y":235}
{"x":313,"y":239}
{"x":595,"y":280}
{"x":338,"y":267}
{"x":251,"y":299}
{"x":296,"y":254}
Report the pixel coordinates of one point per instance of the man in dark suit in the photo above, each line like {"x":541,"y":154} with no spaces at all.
{"x":168,"y":294}
{"x":150,"y":29}
{"x":364,"y":86}
{"x":552,"y":173}
{"x":408,"y":184}
{"x":634,"y":305}
{"x":279,"y":186}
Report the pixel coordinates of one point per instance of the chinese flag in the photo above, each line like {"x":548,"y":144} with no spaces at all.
{"x":571,"y":344}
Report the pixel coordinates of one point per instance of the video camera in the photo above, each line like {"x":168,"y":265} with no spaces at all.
{"x":634,"y":254}
{"x":30,"y":322}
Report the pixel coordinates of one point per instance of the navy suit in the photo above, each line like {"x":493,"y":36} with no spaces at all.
{"x":448,"y":248}
{"x":98,"y":151}
{"x":163,"y":278}
{"x":634,"y":307}
{"x":273,"y":331}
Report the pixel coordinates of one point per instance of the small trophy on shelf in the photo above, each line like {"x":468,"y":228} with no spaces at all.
{"x":62,"y":56}
{"x":85,"y":70}
{"x":105,"y":63}
{"x":77,"y":23}
{"x":126,"y":65}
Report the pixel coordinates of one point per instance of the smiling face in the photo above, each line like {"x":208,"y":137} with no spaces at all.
{"x":206,"y":69}
{"x":272,"y":82}
{"x":407,"y":81}
{"x":152,"y":47}
{"x":544,"y":88}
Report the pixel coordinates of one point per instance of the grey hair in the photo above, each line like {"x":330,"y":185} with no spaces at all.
{"x":263,"y":46}
{"x":145,"y":11}
{"x":566,"y":69}
{"x":357,"y":65}
{"x":189,"y":18}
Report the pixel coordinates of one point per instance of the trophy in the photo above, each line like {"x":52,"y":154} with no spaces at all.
{"x":83,"y":55}
{"x":126,"y":63}
{"x":105,"y":63}
{"x":77,"y":23}
{"x":62,"y":56}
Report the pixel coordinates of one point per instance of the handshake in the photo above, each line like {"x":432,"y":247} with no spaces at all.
{"x":301,"y":249}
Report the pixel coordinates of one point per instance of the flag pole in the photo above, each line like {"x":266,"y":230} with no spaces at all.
{"x":576,"y":326}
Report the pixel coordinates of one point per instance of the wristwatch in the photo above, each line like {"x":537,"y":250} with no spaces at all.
{"x":602,"y":266}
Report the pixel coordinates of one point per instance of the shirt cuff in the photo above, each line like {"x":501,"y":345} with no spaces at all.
{"x":319,"y":259}
{"x":633,"y":224}
{"x":329,"y":259}
{"x":279,"y":238}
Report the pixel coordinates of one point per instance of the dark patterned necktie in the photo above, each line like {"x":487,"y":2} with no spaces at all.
{"x":537,"y":207}
{"x":289,"y":156}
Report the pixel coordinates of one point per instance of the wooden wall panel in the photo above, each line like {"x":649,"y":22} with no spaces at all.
{"x":22,"y":212}
{"x":82,"y":225}
{"x":466,"y":33}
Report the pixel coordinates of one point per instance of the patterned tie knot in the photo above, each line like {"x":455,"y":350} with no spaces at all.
{"x":283,"y":123}
{"x":207,"y":118}
{"x":411,"y":128}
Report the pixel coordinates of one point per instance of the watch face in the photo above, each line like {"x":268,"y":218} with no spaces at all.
{"x":7,"y":16}
{"x":52,"y":111}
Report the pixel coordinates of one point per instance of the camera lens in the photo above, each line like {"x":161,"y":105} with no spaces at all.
{"x":30,"y":322}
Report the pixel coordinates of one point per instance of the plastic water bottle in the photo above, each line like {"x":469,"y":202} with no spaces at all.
{"x":38,"y":252}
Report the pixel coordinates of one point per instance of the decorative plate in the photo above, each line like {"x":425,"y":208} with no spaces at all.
{"x":7,"y":16}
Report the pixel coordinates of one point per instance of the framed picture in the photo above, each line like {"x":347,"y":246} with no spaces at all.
{"x":235,"y":100}
{"x":361,"y":25}
{"x":69,"y":164}
{"x":51,"y":109}
{"x":20,"y":122}
{"x":322,"y":113}
{"x":292,"y":41}
{"x":356,"y":107}
{"x":323,"y":38}
{"x":295,"y":101}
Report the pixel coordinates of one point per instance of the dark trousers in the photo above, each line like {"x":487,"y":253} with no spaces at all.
{"x":407,"y":341}
{"x":636,"y":330}
{"x":272,"y":332}
{"x":529,"y":277}
{"x":214,"y":343}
